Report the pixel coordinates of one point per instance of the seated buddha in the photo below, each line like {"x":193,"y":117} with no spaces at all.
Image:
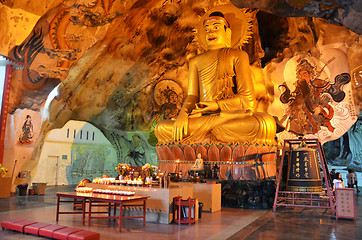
{"x":199,"y":164}
{"x":220,"y":103}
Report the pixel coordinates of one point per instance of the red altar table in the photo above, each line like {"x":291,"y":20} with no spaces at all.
{"x":82,"y":197}
{"x":93,"y":198}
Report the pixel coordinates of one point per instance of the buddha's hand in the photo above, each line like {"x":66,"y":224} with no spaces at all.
{"x":180,"y":127}
{"x":202,"y":107}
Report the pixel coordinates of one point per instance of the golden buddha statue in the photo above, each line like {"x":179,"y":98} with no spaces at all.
{"x":220,"y":103}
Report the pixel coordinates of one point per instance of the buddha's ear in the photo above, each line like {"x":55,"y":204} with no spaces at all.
{"x":228,"y":37}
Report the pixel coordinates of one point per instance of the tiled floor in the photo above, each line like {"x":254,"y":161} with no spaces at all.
{"x":229,"y":223}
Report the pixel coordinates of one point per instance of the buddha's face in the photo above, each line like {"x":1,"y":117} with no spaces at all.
{"x":217,"y":34}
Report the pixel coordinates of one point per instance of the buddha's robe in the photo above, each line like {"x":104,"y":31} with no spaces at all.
{"x":235,"y":122}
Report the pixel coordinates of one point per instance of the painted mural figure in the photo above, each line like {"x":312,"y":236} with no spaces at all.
{"x":220,"y":103}
{"x":308,"y":110}
{"x":27,"y":131}
{"x":170,"y":108}
{"x":309,"y":104}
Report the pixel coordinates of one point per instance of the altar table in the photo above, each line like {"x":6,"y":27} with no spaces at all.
{"x":112,"y":200}
{"x":160,"y":202}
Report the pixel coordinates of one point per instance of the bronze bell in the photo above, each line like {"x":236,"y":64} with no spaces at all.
{"x":303,"y":171}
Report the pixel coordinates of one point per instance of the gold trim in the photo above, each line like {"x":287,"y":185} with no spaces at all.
{"x":305,"y":189}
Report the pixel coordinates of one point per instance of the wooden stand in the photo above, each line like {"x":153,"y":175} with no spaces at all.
{"x":305,"y":199}
{"x":179,"y":205}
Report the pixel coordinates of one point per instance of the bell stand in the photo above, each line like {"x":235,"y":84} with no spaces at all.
{"x":305,"y":199}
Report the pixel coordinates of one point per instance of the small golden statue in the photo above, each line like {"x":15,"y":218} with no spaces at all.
{"x":220,"y":103}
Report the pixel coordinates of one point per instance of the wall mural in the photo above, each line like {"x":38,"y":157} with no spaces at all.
{"x":355,"y":139}
{"x":136,"y":154}
{"x":24,"y":126}
{"x":168,"y":96}
{"x":308,"y":109}
{"x":89,"y":161}
{"x":316,"y":101}
{"x":26,"y":53}
{"x":132,"y":147}
{"x":57,"y":43}
{"x":27,"y":132}
{"x":96,"y":13}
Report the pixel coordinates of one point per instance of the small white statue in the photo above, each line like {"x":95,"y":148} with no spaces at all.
{"x":199,"y":163}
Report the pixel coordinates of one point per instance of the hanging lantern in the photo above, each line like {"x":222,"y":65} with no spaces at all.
{"x":303,"y":171}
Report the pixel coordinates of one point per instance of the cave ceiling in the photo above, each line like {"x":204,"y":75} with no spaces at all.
{"x":108,"y":56}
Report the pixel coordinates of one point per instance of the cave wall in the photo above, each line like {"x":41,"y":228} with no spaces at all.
{"x":16,"y":24}
{"x":114,"y":63}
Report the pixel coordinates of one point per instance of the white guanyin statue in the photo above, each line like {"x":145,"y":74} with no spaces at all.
{"x":199,"y":163}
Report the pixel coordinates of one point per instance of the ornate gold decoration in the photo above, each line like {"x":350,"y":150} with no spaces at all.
{"x":164,"y":88}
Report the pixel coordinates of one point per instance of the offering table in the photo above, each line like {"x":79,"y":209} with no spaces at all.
{"x":121,"y":201}
{"x":94,"y":198}
{"x":159,"y":203}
